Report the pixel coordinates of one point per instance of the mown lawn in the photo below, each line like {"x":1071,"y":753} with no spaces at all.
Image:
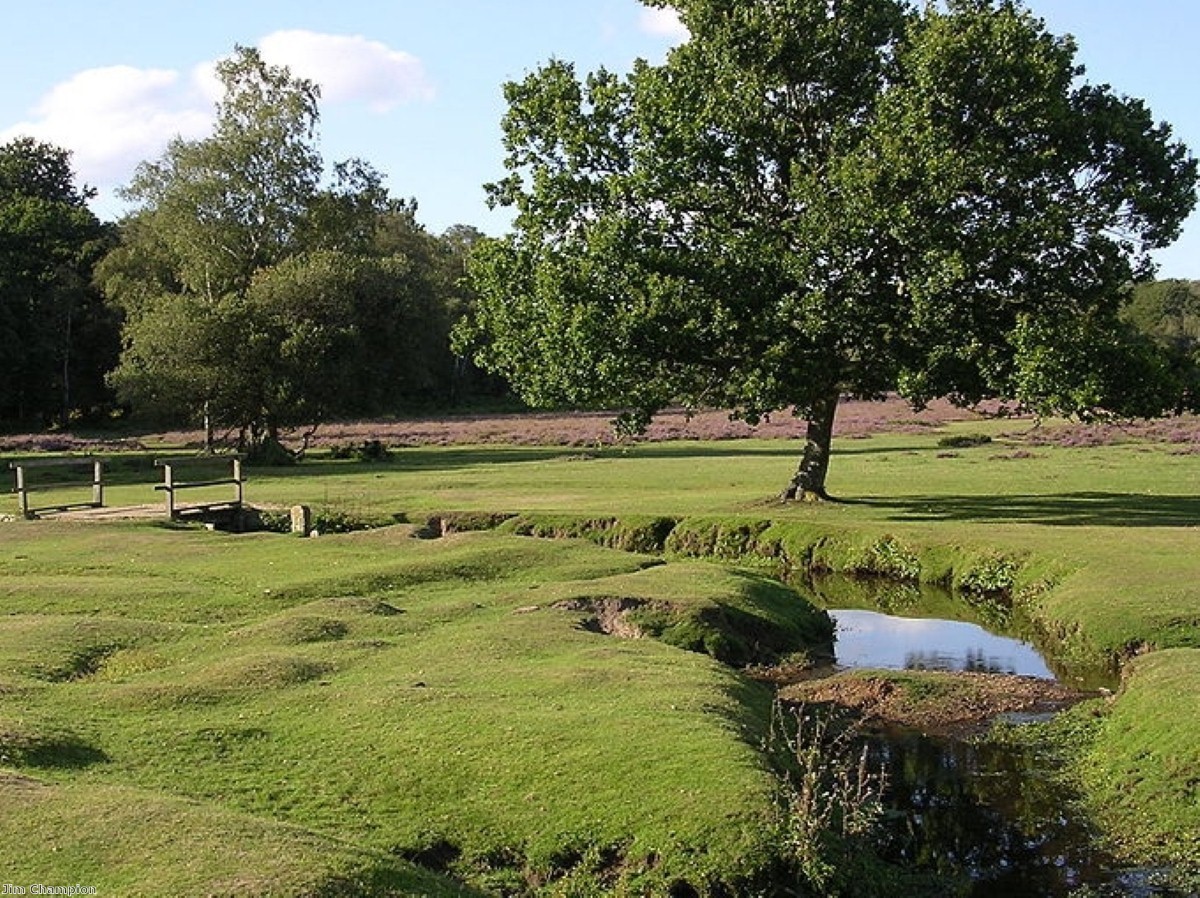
{"x":316,"y":714}
{"x":345,"y":712}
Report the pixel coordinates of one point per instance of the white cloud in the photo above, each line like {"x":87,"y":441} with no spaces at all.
{"x":113,"y":118}
{"x":664,"y":22}
{"x":350,"y":69}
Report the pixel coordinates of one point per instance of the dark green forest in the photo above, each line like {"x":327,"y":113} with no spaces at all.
{"x":68,"y":284}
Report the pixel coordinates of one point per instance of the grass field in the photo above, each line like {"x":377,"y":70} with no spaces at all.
{"x":373,"y":713}
{"x":336,"y":706}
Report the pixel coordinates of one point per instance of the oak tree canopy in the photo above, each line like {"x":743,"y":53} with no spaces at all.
{"x":817,"y":198}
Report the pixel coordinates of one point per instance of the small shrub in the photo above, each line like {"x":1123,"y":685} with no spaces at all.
{"x":736,"y":541}
{"x":366,"y":451}
{"x":269,"y":520}
{"x":729,"y":540}
{"x":888,"y":557}
{"x":832,"y":795}
{"x":270,"y":454}
{"x":963,"y":440}
{"x":992,"y":576}
{"x":336,"y":520}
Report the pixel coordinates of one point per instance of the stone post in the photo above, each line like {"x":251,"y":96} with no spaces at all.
{"x":301,"y":520}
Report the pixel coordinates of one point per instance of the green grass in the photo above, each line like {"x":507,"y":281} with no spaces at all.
{"x":133,"y":842}
{"x":371,"y":699}
{"x":1145,"y":756}
{"x":377,"y":694}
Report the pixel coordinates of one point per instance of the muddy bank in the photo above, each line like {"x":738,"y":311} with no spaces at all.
{"x":932,"y":702}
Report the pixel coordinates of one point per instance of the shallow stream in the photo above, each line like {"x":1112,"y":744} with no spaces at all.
{"x":871,"y":639}
{"x":903,"y":626}
{"x":985,"y":809}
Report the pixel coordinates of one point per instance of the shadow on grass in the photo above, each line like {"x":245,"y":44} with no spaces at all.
{"x":1095,"y":509}
{"x":456,"y":458}
{"x":54,"y":750}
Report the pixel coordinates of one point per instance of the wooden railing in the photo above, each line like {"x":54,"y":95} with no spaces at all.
{"x":25,"y":485}
{"x":171,"y":485}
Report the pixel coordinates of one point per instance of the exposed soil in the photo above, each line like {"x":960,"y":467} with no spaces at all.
{"x":607,"y":615}
{"x":17,"y":783}
{"x":934,"y":701}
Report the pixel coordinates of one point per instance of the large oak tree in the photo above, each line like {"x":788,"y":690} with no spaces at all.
{"x":815,"y":198}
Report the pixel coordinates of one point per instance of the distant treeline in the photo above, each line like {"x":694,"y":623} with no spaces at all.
{"x":341,"y":307}
{"x":101,"y":321}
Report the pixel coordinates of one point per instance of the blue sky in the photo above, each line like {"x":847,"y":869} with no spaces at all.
{"x":414,"y":86}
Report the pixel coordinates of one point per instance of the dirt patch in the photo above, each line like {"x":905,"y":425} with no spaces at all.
{"x":934,"y":701}
{"x":608,"y":616}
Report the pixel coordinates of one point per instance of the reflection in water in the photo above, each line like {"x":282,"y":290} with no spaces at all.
{"x":871,"y":639}
{"x":916,"y":606}
{"x":990,"y":811}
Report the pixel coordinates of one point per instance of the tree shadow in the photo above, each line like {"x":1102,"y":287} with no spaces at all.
{"x":434,"y":459}
{"x":1093,"y":509}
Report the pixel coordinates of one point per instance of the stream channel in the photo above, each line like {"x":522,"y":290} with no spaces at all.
{"x":961,"y":806}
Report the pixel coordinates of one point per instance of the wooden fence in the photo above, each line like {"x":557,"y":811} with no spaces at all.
{"x":26,"y":486}
{"x":171,"y":486}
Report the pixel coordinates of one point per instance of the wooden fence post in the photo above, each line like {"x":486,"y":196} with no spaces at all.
{"x":22,"y":492}
{"x":169,"y":488}
{"x":27,"y":485}
{"x":98,"y":483}
{"x":237,"y":481}
{"x":172,"y":485}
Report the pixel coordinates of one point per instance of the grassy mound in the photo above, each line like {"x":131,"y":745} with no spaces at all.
{"x":737,"y":617}
{"x":1145,"y":754}
{"x":131,"y":842}
{"x":446,"y":713}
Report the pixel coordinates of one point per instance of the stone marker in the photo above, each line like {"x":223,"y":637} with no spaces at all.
{"x":301,"y":519}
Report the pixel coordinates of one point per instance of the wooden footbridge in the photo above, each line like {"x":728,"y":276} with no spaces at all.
{"x":44,"y":488}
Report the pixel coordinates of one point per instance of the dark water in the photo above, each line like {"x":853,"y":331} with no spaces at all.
{"x":994,"y":814}
{"x":987,"y":811}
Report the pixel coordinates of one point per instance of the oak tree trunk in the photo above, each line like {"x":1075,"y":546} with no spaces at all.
{"x":808,"y":484}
